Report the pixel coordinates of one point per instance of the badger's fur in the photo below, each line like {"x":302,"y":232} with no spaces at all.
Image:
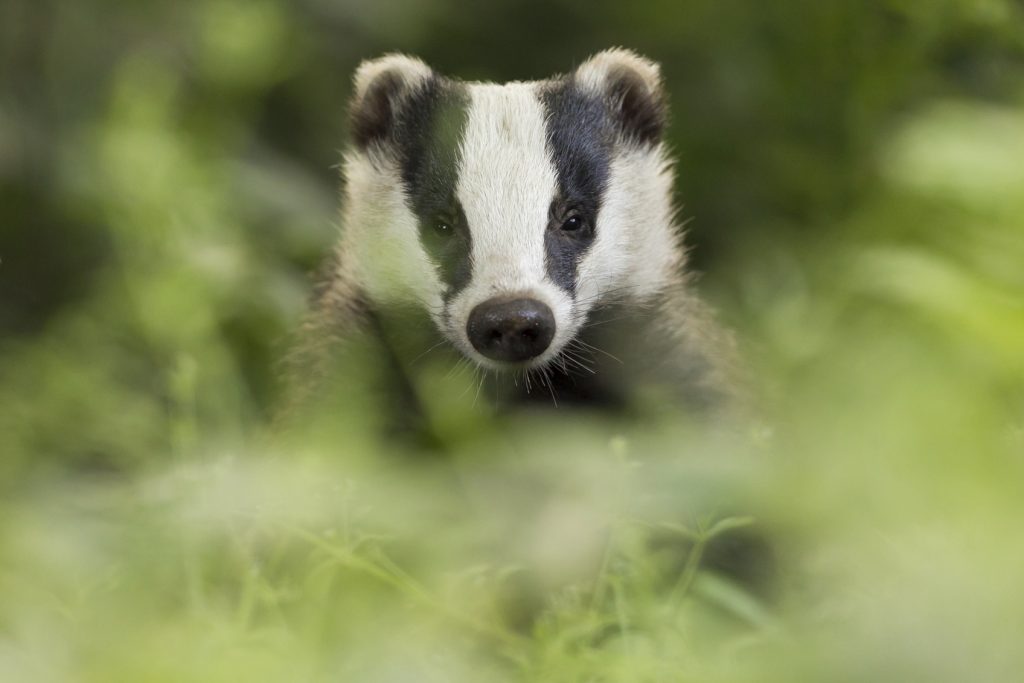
{"x":532,"y":222}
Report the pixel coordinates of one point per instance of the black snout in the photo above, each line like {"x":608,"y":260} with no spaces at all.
{"x":511,"y":330}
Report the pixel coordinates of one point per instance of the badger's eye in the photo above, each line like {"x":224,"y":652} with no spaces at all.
{"x":573,"y":224}
{"x":443,"y":228}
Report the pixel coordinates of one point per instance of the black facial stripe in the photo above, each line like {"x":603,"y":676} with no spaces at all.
{"x":580,"y":138}
{"x":427,"y":136}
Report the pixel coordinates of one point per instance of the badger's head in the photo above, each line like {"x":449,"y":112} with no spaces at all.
{"x":509,"y":211}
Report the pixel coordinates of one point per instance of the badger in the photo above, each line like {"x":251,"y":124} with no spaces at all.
{"x":527,"y":228}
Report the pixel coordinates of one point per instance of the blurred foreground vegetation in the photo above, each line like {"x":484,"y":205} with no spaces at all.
{"x":854,"y":175}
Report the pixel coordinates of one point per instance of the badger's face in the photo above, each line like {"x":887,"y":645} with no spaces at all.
{"x":509,"y":211}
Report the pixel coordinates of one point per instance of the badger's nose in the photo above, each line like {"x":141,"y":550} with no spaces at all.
{"x":511,"y":330}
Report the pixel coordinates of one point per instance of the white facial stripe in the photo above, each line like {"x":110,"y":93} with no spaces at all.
{"x":506,"y":184}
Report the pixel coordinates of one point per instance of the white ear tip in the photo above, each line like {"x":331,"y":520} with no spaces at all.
{"x":594,"y":72}
{"x":410,"y":69}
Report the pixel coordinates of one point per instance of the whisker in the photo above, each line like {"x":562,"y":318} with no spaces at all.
{"x":456,"y":368}
{"x":481,"y":376}
{"x":565,"y":370}
{"x":605,"y":321}
{"x":546,"y":374}
{"x":591,"y":347}
{"x":610,"y":295}
{"x":469,"y":385}
{"x":413,"y":361}
{"x":576,"y":361}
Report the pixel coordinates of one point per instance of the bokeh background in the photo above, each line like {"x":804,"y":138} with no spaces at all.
{"x":852,"y":175}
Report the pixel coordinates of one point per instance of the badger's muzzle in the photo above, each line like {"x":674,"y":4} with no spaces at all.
{"x":511,"y":330}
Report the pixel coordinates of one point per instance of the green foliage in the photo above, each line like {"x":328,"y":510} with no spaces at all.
{"x":853,"y":174}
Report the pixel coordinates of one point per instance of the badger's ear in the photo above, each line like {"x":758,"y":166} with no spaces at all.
{"x":631,"y":85}
{"x":382,"y":87}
